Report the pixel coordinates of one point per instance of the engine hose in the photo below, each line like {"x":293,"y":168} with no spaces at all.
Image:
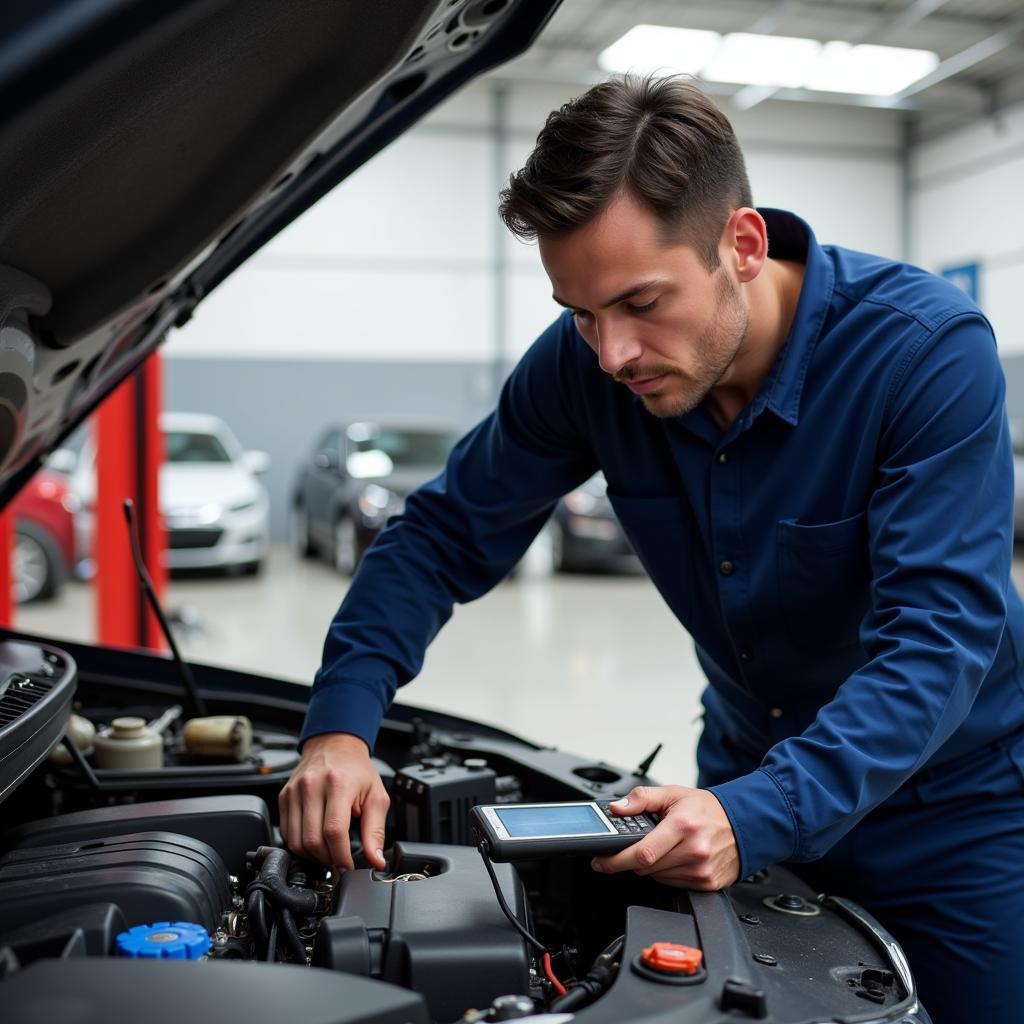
{"x":271,"y":954}
{"x":291,"y":933}
{"x":272,"y":880}
{"x":584,"y":991}
{"x":256,"y":914}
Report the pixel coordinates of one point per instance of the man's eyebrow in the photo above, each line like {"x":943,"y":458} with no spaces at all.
{"x":635,"y":289}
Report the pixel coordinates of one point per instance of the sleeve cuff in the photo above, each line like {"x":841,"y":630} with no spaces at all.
{"x":344,"y":707}
{"x":762,"y":820}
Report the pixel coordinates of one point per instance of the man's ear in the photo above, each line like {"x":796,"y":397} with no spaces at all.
{"x":745,"y":243}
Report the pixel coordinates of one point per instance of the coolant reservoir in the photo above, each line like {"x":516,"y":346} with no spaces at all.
{"x":129,"y":745}
{"x":219,"y":736}
{"x":82,"y":734}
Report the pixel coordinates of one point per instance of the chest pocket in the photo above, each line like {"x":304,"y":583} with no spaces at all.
{"x":824,"y":581}
{"x":662,"y":533}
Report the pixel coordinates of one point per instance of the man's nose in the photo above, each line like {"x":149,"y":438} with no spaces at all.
{"x":617,"y":346}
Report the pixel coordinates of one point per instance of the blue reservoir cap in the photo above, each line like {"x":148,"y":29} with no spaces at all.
{"x":164,"y":940}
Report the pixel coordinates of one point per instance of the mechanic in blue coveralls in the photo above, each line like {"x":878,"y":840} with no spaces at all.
{"x":808,"y":448}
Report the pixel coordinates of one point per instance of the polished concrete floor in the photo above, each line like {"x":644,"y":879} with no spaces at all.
{"x":594,"y":664}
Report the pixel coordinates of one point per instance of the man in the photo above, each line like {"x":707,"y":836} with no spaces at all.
{"x":808,"y":448}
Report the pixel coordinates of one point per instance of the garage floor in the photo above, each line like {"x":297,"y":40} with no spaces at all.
{"x":591,"y":663}
{"x":594,"y":664}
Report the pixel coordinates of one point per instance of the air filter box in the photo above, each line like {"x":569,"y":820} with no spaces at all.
{"x":149,"y":876}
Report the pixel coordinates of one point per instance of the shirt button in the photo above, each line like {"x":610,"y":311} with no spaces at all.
{"x":745,"y":654}
{"x":775,"y":712}
{"x":723,"y":458}
{"x":726,"y":568}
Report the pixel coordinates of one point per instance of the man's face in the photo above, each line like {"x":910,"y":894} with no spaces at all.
{"x":659,"y":321}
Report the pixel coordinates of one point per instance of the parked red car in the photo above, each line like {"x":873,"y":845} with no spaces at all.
{"x":44,"y":537}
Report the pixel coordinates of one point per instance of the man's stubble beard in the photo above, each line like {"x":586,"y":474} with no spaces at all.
{"x":716,"y":349}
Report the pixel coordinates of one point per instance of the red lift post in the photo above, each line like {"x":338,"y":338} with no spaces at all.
{"x":129,"y":451}
{"x":7,"y":568}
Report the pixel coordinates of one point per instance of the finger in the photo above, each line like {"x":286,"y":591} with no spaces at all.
{"x":291,"y":819}
{"x":647,"y":798}
{"x":282,"y":813}
{"x":371,"y":826}
{"x":336,"y":821}
{"x":310,"y":828}
{"x":643,"y":855}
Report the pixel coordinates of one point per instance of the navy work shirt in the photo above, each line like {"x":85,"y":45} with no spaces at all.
{"x":840,"y":554}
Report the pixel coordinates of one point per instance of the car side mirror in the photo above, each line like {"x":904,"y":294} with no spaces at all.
{"x":257,"y":461}
{"x":62,"y":460}
{"x":327,"y":458}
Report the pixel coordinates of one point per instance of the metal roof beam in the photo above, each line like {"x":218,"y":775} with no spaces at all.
{"x":751,"y":95}
{"x":968,"y":58}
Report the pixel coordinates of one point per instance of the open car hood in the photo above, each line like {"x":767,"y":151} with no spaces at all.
{"x":151,"y":146}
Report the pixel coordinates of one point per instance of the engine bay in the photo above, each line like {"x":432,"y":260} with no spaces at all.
{"x":141,"y":871}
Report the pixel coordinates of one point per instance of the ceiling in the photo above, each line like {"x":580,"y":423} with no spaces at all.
{"x":980,"y":44}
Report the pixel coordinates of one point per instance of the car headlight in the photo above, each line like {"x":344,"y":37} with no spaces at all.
{"x":376,"y":502}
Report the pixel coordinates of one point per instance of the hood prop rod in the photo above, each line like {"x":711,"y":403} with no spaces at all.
{"x":184,"y":672}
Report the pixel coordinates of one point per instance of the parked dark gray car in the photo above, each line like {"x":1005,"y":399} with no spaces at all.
{"x":355,"y":478}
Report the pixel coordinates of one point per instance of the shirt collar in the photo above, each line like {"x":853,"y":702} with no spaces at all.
{"x":791,"y":238}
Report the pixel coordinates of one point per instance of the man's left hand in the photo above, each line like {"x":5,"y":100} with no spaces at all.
{"x":692,"y":847}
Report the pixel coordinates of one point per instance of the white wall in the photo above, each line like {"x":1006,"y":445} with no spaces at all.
{"x":402,"y":262}
{"x":967,"y":207}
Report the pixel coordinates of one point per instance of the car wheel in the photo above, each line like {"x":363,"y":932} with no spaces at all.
{"x":37,"y":564}
{"x":346,"y":547}
{"x":300,"y":532}
{"x":253,"y":568}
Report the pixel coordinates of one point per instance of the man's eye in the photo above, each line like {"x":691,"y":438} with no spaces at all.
{"x":644,"y":309}
{"x":581,"y":314}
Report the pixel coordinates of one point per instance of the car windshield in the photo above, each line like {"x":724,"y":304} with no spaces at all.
{"x":189,"y":446}
{"x":406,"y":449}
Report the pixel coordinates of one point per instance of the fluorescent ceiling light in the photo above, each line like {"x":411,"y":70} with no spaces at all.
{"x":781,"y":61}
{"x":875,"y":70}
{"x":646,"y":49}
{"x":776,"y":62}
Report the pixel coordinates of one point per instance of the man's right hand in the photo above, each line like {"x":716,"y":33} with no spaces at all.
{"x":334,"y":781}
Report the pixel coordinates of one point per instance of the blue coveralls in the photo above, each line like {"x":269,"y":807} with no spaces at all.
{"x":840,"y":555}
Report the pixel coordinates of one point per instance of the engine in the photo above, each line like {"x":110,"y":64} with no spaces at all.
{"x":158,"y":886}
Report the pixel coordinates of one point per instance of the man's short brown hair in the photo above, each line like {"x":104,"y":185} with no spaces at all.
{"x":663,"y":139}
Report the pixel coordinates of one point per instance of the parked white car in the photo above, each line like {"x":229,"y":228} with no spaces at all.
{"x":215,"y":510}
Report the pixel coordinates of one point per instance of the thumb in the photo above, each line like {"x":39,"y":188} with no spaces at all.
{"x":646,"y":798}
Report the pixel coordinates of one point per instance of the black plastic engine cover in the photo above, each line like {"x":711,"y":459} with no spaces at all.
{"x":230,"y":824}
{"x":444,"y":936}
{"x":150,"y":876}
{"x":772,"y":952}
{"x":83,"y":931}
{"x":212,"y":992}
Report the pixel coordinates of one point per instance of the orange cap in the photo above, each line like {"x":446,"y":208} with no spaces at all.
{"x":671,"y":958}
